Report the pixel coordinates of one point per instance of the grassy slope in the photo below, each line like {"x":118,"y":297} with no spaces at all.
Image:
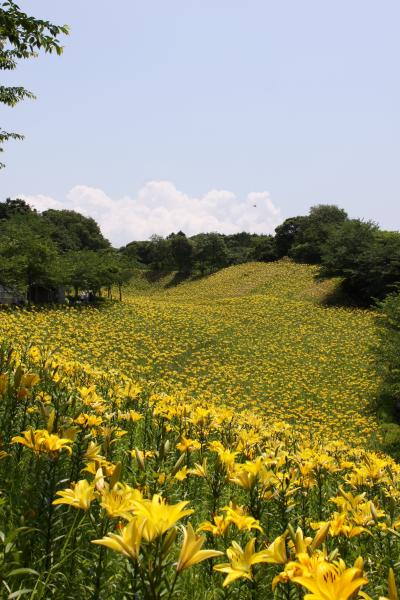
{"x":253,"y":336}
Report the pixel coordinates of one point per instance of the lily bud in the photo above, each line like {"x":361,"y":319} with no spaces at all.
{"x":359,"y":563}
{"x":393,"y":593}
{"x":167,"y":446}
{"x":116,"y":474}
{"x":373,"y":512}
{"x":168,"y":541}
{"x":292,"y":533}
{"x":99,"y":480}
{"x":321,"y":536}
{"x":50,"y":421}
{"x":178,"y":464}
{"x":140,"y":458}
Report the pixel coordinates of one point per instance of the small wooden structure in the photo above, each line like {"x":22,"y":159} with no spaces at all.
{"x":11,"y":296}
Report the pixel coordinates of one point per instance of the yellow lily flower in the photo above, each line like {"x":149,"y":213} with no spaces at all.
{"x":120,"y":501}
{"x":80,"y":495}
{"x":158,"y":516}
{"x":200,"y":470}
{"x":128,"y":543}
{"x":93,"y":452}
{"x":237,"y":516}
{"x":86,"y":420}
{"x":182,"y":474}
{"x":241,"y":560}
{"x":329,"y":582}
{"x":276,"y":552}
{"x":191,"y":552}
{"x":243,"y":478}
{"x":187,"y":445}
{"x":29,"y":380}
{"x":217,"y":528}
{"x":40,"y":440}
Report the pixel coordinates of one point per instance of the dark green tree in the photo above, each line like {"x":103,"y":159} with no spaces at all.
{"x":345,"y":247}
{"x":389,"y":349}
{"x":211,"y":252}
{"x":72,"y":231}
{"x":161,"y":259}
{"x":315,"y":230}
{"x":265,"y":249}
{"x":84,"y":271}
{"x":90,"y":271}
{"x":287,"y":234}
{"x":10,"y":208}
{"x":366,"y":258}
{"x":28,"y":258}
{"x":123,"y":273}
{"x":21,"y":37}
{"x":182,"y":252}
{"x":240,"y":247}
{"x":138,"y":252}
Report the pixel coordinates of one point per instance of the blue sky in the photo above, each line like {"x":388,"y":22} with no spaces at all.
{"x":171,"y":114}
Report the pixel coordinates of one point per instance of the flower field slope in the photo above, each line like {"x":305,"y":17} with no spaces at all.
{"x":253,"y":336}
{"x":207,"y":441}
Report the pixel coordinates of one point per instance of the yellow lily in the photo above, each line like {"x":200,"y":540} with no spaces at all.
{"x":40,"y":440}
{"x":329,"y":582}
{"x":220,"y":525}
{"x":128,"y":543}
{"x":158,"y":516}
{"x":191,"y":552}
{"x":200,"y":470}
{"x":276,"y":552}
{"x":120,"y":501}
{"x":187,"y":445}
{"x":80,"y":495}
{"x":241,"y":560}
{"x":392,"y":588}
{"x":393,"y":593}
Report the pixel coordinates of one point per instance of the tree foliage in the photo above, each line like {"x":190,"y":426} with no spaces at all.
{"x":315,"y":231}
{"x":21,"y":37}
{"x":55,"y":249}
{"x":366,"y":258}
{"x":211,"y":252}
{"x":287,"y":233}
{"x":182,"y":252}
{"x":27,"y":256}
{"x":73,"y":231}
{"x":10,"y":208}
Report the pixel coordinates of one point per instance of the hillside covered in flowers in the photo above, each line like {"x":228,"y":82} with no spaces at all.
{"x":211,"y":440}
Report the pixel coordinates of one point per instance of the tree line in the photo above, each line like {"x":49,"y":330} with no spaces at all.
{"x":43,"y":252}
{"x":64,"y":248}
{"x":365,"y":258}
{"x":201,"y":254}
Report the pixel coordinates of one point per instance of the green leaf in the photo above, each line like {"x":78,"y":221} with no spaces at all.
{"x":23,"y":571}
{"x":19,"y":593}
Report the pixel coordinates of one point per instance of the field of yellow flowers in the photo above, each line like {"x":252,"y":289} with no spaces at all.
{"x":213,"y":440}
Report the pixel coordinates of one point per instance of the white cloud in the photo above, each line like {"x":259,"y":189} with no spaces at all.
{"x":158,"y":207}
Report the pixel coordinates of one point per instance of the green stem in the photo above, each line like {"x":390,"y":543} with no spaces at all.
{"x":173,"y":586}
